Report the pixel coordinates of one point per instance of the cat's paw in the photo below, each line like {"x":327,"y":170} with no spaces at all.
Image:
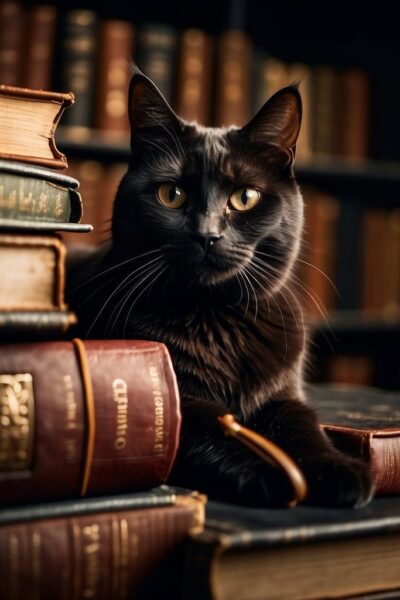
{"x":338,"y":481}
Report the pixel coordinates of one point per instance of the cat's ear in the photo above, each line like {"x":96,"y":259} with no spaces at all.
{"x":278,"y":121}
{"x":147,"y":106}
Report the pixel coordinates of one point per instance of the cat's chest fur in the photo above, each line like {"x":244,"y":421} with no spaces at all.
{"x":228,"y":352}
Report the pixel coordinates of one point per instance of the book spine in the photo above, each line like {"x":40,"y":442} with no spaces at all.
{"x":355,"y":122}
{"x":89,"y":419}
{"x":233,"y":79}
{"x":194,"y":83}
{"x":37,"y":200}
{"x":385,"y":464}
{"x":79,"y":48}
{"x":325,"y":110}
{"x":374,"y":236}
{"x":105,"y":556}
{"x":38,"y":325}
{"x":40,"y":47}
{"x":11,"y":36}
{"x":115,"y":54}
{"x":157,"y":56}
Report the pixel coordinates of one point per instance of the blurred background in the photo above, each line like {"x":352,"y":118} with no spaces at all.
{"x":217,"y":63}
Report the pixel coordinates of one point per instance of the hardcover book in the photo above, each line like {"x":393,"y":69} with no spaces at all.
{"x":85,"y":418}
{"x":27,"y":139}
{"x":302,"y":554}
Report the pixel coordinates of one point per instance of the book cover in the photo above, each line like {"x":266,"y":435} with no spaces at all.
{"x":123,"y":551}
{"x":248,"y":554}
{"x":85,"y":418}
{"x":28,"y":139}
{"x":364,"y":422}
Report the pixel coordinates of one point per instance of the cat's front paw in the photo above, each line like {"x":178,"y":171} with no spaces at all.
{"x":337,"y":480}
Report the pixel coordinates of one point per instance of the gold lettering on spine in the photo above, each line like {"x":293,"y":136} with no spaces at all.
{"x":159,"y":431}
{"x":91,"y":544}
{"x":16,"y":422}
{"x":71,"y":407}
{"x":120,"y":397}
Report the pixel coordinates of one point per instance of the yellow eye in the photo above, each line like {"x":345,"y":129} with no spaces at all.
{"x":244,"y":199}
{"x":171,"y":195}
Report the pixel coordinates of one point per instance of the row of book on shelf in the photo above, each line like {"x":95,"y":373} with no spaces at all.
{"x":86,"y":445}
{"x":219,"y":80}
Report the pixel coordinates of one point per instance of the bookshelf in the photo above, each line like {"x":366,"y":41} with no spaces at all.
{"x":343,"y":39}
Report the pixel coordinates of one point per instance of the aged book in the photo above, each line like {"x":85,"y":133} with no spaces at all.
{"x":31,"y":193}
{"x":364,"y":422}
{"x":44,"y":324}
{"x":78,"y":72}
{"x":40,"y":47}
{"x":114,"y":73}
{"x":233,"y":72}
{"x":32,"y":271}
{"x":355,"y":121}
{"x":130,"y":547}
{"x":325,"y":111}
{"x":28,"y":120}
{"x":11,"y":41}
{"x":85,"y":418}
{"x":302,"y":554}
{"x":194,"y":82}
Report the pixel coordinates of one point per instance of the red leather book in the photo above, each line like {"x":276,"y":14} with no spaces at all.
{"x":85,"y":418}
{"x":131,"y":548}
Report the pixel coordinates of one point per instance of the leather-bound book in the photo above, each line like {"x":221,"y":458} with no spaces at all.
{"x":40,"y":47}
{"x":114,"y":73}
{"x":112,"y":548}
{"x":85,"y":418}
{"x":326,"y":117}
{"x":374,"y":260}
{"x":78,"y":69}
{"x":194,"y":82}
{"x":12,"y":17}
{"x":156,"y":56}
{"x":364,"y":422}
{"x":354,"y":138}
{"x":35,"y":325}
{"x":28,"y":120}
{"x":233,"y":79}
{"x":305,"y":553}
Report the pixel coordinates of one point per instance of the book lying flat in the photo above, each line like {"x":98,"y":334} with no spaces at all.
{"x":363,"y":422}
{"x":300,"y":554}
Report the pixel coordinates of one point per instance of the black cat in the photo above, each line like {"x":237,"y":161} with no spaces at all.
{"x":206,"y":229}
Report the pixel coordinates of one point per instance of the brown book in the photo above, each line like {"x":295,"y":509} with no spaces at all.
{"x":28,"y":120}
{"x":374,"y":260}
{"x":40,"y":46}
{"x":12,"y":28}
{"x":85,"y":418}
{"x":115,"y":54}
{"x":116,"y":554}
{"x":194,"y":85}
{"x":355,"y":370}
{"x":34,"y":325}
{"x":233,"y":72}
{"x":306,"y":553}
{"x":32,"y":271}
{"x":354,"y":134}
{"x":326,"y":115}
{"x":364,"y":422}
{"x":301,"y":74}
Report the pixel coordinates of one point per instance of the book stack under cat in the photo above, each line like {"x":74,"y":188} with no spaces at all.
{"x":88,"y":430}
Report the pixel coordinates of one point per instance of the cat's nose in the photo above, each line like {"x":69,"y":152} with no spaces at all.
{"x":206,"y":240}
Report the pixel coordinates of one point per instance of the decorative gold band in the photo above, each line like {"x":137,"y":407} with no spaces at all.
{"x":270,"y":452}
{"x":90,"y":412}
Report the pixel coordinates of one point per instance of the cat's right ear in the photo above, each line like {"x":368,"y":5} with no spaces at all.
{"x":147,"y":106}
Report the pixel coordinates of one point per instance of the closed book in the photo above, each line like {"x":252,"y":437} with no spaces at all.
{"x":300,"y":554}
{"x":40,"y":47}
{"x":11,"y":41}
{"x":233,"y":79}
{"x":364,"y":422}
{"x":86,"y":418}
{"x":114,"y":57}
{"x":38,"y":194}
{"x":78,"y":73}
{"x":28,"y":120}
{"x":325,"y":111}
{"x":156,"y":56}
{"x":33,"y":325}
{"x":354,"y":138}
{"x":194,"y":81}
{"x":113,"y":554}
{"x":32,"y":272}
{"x":374,"y":237}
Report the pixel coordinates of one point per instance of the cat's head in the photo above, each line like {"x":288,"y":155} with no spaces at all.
{"x":218,"y":203}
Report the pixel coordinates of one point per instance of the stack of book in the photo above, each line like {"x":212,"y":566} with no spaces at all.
{"x":88,"y":429}
{"x":36,"y":201}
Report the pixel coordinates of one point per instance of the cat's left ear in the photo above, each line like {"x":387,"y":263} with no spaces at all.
{"x":278,"y":121}
{"x":147,"y":106}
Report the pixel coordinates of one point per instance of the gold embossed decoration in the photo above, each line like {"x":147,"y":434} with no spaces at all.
{"x":16,"y":421}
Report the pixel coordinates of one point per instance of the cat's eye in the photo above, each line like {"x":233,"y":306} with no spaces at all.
{"x":171,"y":195}
{"x":244,"y":199}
